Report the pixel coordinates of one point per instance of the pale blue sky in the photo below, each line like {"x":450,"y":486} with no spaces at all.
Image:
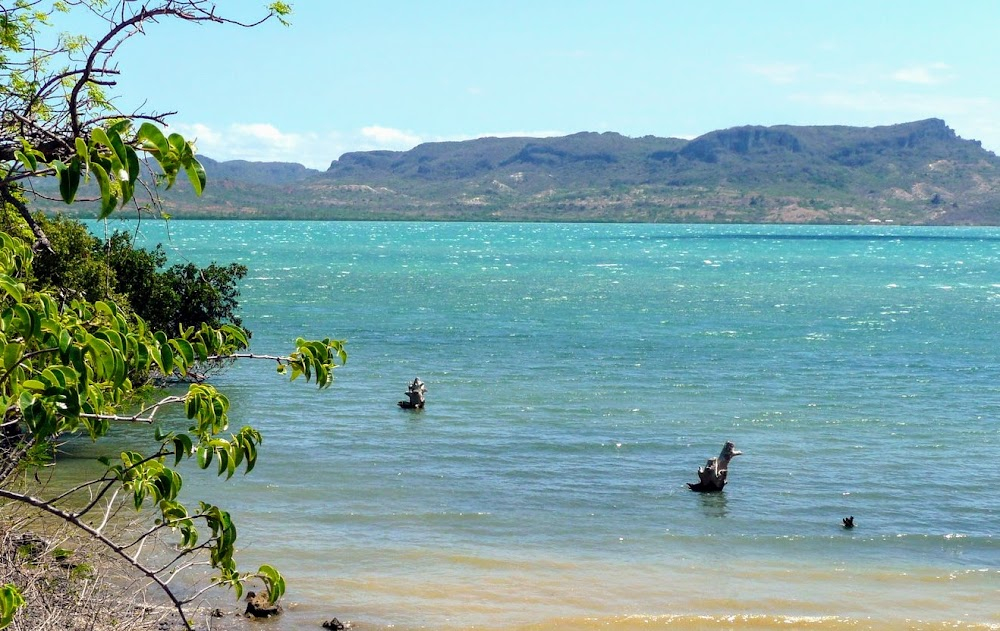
{"x":380,"y":74}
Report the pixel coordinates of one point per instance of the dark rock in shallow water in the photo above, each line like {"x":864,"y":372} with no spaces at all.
{"x":259,"y":607}
{"x":336,"y":625}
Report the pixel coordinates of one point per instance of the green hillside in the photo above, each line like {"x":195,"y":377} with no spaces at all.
{"x":912,"y":173}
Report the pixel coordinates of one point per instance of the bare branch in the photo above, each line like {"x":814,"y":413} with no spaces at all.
{"x":138,"y":417}
{"x":72,"y":519}
{"x":275,"y":358}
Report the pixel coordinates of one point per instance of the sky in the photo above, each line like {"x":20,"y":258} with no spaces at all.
{"x":381,"y":74}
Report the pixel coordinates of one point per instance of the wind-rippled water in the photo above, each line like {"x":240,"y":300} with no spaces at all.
{"x":578,"y":376}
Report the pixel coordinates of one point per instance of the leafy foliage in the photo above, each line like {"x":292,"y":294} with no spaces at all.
{"x":66,"y":370}
{"x":82,"y":265}
{"x":191,"y":296}
{"x":70,"y":344}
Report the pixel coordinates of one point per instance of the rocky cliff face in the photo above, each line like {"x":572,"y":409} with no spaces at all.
{"x":912,"y":173}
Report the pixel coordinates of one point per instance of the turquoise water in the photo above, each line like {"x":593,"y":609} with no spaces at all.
{"x":578,"y":376}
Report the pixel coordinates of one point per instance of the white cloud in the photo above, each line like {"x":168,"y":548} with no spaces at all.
{"x":930,"y":74}
{"x":507,"y":134}
{"x":389,"y":138}
{"x":902,"y":103}
{"x":395,"y":139}
{"x":261,"y":142}
{"x":264,"y":142}
{"x":203,"y":133}
{"x":781,"y":73}
{"x":970,"y":117}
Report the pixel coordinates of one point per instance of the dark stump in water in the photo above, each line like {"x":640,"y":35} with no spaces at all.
{"x":712,"y":477}
{"x":415,"y":396}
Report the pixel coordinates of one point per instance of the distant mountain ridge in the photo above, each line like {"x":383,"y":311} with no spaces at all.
{"x":277,"y":173}
{"x":912,"y":173}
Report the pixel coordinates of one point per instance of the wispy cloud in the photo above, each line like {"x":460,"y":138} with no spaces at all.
{"x":509,"y":134}
{"x":264,"y":142}
{"x":928,"y":74}
{"x":902,"y":103}
{"x":261,"y":142}
{"x":970,"y":117}
{"x":780,"y":73}
{"x":389,"y":138}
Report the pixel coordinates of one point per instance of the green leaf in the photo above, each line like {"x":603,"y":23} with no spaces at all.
{"x":201,"y":350}
{"x":166,"y":360}
{"x":119,"y":147}
{"x":185,"y":350}
{"x":120,"y":372}
{"x":83,"y":151}
{"x":239,"y":333}
{"x":177,"y":143}
{"x":26,"y":321}
{"x":28,"y":160}
{"x":120,"y":127}
{"x":274,"y":581}
{"x":128,"y":190}
{"x":98,"y":135}
{"x":132,"y":162}
{"x":226,"y":463}
{"x":10,"y":601}
{"x":69,"y":180}
{"x":196,"y":175}
{"x":12,"y":287}
{"x":65,"y":339}
{"x":251,"y":454}
{"x":104,"y":358}
{"x":204,"y":457}
{"x":34,"y":385}
{"x":152,"y":140}
{"x":108,"y":200}
{"x":11,"y":354}
{"x":191,"y":405}
{"x":182,"y":447}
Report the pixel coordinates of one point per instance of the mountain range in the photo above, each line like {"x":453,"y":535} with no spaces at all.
{"x":917,"y":173}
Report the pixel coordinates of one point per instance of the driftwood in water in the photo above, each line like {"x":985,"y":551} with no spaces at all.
{"x":712,"y":477}
{"x":415,"y":393}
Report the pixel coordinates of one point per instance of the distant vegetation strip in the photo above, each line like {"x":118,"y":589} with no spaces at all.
{"x":918,"y":173}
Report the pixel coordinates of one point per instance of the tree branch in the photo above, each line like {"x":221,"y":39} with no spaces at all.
{"x":42,"y":243}
{"x":138,"y":417}
{"x":70,"y":518}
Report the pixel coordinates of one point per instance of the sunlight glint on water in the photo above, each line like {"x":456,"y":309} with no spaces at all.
{"x":578,"y":375}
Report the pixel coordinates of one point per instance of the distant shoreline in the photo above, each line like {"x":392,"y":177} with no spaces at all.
{"x":917,"y":173}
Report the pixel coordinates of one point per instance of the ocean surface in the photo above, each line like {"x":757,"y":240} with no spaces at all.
{"x":578,"y":375}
